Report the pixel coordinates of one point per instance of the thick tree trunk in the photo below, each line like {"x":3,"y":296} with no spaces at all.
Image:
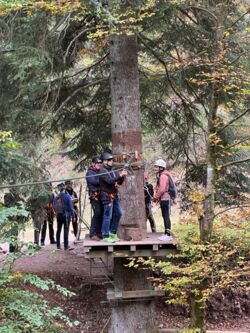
{"x":137,"y":316}
{"x":126,"y":125}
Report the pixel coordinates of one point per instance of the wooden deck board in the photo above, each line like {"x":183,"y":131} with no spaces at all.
{"x":150,"y":246}
{"x":151,"y":239}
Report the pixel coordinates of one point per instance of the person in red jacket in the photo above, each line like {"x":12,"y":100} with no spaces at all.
{"x":162,"y":194}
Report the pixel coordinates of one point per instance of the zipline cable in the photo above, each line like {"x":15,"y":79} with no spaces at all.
{"x":55,"y":180}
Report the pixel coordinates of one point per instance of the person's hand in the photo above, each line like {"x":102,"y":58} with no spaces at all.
{"x":155,"y":199}
{"x":123,"y":173}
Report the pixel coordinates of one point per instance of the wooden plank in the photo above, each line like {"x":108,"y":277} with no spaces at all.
{"x":127,"y":253}
{"x":132,"y":248}
{"x":110,"y":248}
{"x":155,"y":247}
{"x":129,"y":294}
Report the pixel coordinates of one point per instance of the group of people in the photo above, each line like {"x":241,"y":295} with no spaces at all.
{"x":103,"y":183}
{"x":64,"y":206}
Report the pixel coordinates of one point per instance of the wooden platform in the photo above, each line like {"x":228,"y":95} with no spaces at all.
{"x":151,"y":246}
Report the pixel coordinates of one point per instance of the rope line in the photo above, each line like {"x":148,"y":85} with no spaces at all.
{"x":54,"y":180}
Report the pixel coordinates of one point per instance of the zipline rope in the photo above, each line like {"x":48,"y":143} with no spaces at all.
{"x":54,"y":180}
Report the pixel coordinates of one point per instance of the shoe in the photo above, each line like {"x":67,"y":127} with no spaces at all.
{"x":100,"y":236}
{"x":58,"y":249}
{"x":114,"y":236}
{"x":53,"y":242}
{"x":42,"y":244}
{"x":95,"y":238}
{"x":166,"y":238}
{"x":108,"y":240}
{"x":68,"y":248}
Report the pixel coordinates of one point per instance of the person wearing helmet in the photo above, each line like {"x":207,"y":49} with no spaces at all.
{"x":93,"y":184}
{"x":149,"y":194}
{"x":109,"y":181}
{"x":162,"y":194}
{"x":69,"y":189}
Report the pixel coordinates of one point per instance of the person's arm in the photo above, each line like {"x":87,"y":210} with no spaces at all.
{"x":151,"y":190}
{"x":69,"y":205}
{"x":163,"y":187}
{"x":92,"y":178}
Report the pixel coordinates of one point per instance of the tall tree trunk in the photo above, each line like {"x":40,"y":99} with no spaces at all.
{"x":128,"y":317}
{"x":126,"y":125}
{"x":206,"y":222}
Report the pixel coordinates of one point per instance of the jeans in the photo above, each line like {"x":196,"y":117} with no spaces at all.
{"x":111,"y":217}
{"x":62,"y":221}
{"x":96,"y":222}
{"x":165,"y":210}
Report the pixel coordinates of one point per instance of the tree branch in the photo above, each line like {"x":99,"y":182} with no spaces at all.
{"x":233,"y":120}
{"x":230,"y":208}
{"x":76,"y":91}
{"x":235,"y":162}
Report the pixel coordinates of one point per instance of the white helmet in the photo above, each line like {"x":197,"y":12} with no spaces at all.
{"x":161,"y":163}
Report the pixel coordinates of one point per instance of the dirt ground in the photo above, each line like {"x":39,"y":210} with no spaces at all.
{"x":90,"y":280}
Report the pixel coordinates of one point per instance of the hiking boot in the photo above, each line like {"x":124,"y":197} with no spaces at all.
{"x":42,"y":244}
{"x":53,"y":242}
{"x":95,"y":238}
{"x":114,"y":236}
{"x":109,"y":239}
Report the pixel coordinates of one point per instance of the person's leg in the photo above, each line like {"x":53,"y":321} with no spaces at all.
{"x":43,"y":232}
{"x":74,"y":224}
{"x":51,"y":230}
{"x":165,"y":209}
{"x":37,"y":228}
{"x":117,"y":214}
{"x":107,"y":215}
{"x":59,"y":229}
{"x":96,"y":222}
{"x":66,"y":233}
{"x":150,"y":217}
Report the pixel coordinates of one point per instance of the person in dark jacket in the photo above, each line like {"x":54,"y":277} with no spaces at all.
{"x":49,"y":219}
{"x":64,"y":212}
{"x":74,"y":198}
{"x":93,"y":184}
{"x":109,"y":181}
{"x":149,"y":194}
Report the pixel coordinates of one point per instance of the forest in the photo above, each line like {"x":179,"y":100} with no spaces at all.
{"x":142,"y":81}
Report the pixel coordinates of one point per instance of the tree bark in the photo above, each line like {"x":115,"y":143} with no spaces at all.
{"x":136,"y":316}
{"x":126,"y":125}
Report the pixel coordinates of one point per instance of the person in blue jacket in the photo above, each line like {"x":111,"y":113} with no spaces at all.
{"x":93,"y":183}
{"x":64,"y":212}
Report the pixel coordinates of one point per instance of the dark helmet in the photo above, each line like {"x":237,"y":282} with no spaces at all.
{"x":107,"y":156}
{"x":96,"y":159}
{"x":61,"y":186}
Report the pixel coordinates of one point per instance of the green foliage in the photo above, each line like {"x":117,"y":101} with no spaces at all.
{"x":24,"y":311}
{"x":201,"y":269}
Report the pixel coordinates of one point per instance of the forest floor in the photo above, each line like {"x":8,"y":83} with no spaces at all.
{"x":229,"y":310}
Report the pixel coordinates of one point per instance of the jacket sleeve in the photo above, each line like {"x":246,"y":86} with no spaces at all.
{"x":92,"y":178}
{"x":163,"y":187}
{"x":151,"y":190}
{"x":69,"y":205}
{"x":108,"y":179}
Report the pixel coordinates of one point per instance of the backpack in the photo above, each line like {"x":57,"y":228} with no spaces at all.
{"x":172,"y":190}
{"x":59,"y":203}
